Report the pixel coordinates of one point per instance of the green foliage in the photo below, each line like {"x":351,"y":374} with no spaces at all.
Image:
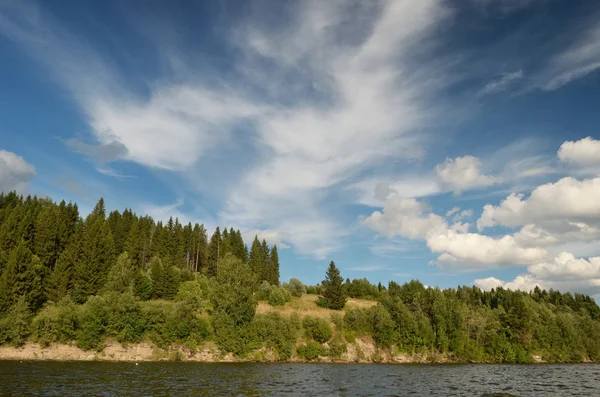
{"x":93,"y":319}
{"x":193,"y":292}
{"x":317,"y":329}
{"x":279,"y":296}
{"x":276,"y":332}
{"x":311,"y":351}
{"x":165,"y":279}
{"x":264,"y":290}
{"x":295,"y":287}
{"x":56,"y":322}
{"x":121,"y":275}
{"x":233,"y":292}
{"x":337,"y":348}
{"x":22,"y":278}
{"x":14,"y":326}
{"x":334,"y":293}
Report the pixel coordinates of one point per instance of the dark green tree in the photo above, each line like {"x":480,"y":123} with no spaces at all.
{"x":334,"y":294}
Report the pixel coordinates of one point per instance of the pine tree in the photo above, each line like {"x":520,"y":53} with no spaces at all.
{"x":334,"y":293}
{"x":97,"y":257}
{"x":214,"y":250}
{"x":60,"y":281}
{"x":46,"y":245}
{"x":257,"y":257}
{"x":23,"y":277}
{"x":274,"y":267}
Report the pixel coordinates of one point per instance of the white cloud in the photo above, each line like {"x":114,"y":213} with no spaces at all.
{"x":462,"y":173}
{"x":375,"y":192}
{"x":522,"y":283}
{"x":567,"y":199}
{"x":472,"y":250}
{"x":458,"y":248}
{"x":15,"y":172}
{"x":319,"y":103}
{"x":584,"y":152}
{"x":272,"y":237}
{"x":452,"y":211}
{"x":565,"y":273}
{"x":504,"y":83}
{"x":577,"y":61}
{"x":405,"y":217}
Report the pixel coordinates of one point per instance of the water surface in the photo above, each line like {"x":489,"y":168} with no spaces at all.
{"x":196,"y":379}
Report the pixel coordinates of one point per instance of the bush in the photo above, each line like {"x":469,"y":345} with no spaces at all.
{"x":314,"y":289}
{"x":264,"y":290}
{"x":126,"y":322}
{"x":311,"y":351}
{"x":317,"y":329}
{"x":93,"y":319}
{"x":193,"y":292}
{"x":295,"y":287}
{"x":337,"y":348}
{"x":276,"y":332}
{"x":14,"y":327}
{"x":168,"y":323}
{"x":357,"y":320}
{"x":382,"y":326}
{"x":239,"y":340}
{"x":279,"y":296}
{"x":56,"y":322}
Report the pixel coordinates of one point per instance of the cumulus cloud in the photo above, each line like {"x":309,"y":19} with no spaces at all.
{"x":15,"y":172}
{"x":565,"y":273}
{"x":272,"y":237}
{"x":568,"y":199}
{"x":458,"y":248}
{"x":462,"y":173}
{"x":584,"y":152}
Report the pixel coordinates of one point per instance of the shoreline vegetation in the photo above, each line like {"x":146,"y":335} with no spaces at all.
{"x":122,"y":287}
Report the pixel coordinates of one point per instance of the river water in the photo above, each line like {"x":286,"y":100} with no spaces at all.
{"x":29,"y":378}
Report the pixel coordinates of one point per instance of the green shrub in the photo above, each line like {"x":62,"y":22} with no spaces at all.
{"x":168,"y":323}
{"x":382,"y":326}
{"x":357,"y":320}
{"x":338,"y":321}
{"x":264,"y":290}
{"x":14,"y":326}
{"x":276,"y":332}
{"x":193,"y":292}
{"x":279,"y":296}
{"x":295,"y":321}
{"x":317,"y":329}
{"x":93,"y":319}
{"x":311,"y":351}
{"x":337,"y":348}
{"x":56,"y":322}
{"x":295,"y":287}
{"x":125,"y":319}
{"x":239,"y":340}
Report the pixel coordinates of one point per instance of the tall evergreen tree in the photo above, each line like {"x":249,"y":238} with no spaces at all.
{"x":97,"y":257}
{"x":257,"y":257}
{"x":334,"y":293}
{"x":22,"y":278}
{"x":214,"y":251}
{"x":60,"y":281}
{"x":274,"y":266}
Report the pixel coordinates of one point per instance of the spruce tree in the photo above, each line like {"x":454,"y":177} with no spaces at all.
{"x":274,"y":274}
{"x":265,"y":271}
{"x":257,"y":257}
{"x":214,"y":249}
{"x":334,"y":293}
{"x":60,"y":281}
{"x":22,"y":278}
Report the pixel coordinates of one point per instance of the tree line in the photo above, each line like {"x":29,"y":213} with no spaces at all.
{"x":126,"y":277}
{"x":48,"y":251}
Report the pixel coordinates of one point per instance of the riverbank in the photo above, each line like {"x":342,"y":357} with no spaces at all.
{"x":361,"y":352}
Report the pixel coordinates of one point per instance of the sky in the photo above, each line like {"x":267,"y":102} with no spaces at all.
{"x":452,"y":141}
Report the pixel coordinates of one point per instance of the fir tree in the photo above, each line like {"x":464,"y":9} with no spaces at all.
{"x":22,"y":277}
{"x":274,"y":267}
{"x":60,"y":281}
{"x":214,"y":250}
{"x":334,"y":293}
{"x":257,"y":257}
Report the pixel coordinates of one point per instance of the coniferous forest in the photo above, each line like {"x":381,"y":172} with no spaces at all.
{"x":117,"y":276}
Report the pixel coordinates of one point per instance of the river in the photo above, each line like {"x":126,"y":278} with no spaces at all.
{"x":45,"y":378}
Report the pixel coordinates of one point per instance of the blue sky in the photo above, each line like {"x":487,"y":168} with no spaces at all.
{"x":451,"y":141}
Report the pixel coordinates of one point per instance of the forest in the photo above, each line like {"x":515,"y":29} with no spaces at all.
{"x":119,"y":276}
